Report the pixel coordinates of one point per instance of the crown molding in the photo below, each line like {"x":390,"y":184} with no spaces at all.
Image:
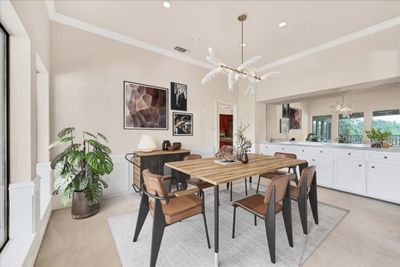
{"x":79,"y":24}
{"x":333,"y":43}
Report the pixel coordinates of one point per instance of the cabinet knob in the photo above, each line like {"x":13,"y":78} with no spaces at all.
{"x":359,"y":165}
{"x":385,"y":157}
{"x":313,"y":159}
{"x":321,"y":151}
{"x":373,"y":167}
{"x":349,"y":154}
{"x":302,"y":150}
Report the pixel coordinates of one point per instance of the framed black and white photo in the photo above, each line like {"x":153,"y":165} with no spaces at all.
{"x":178,"y":96}
{"x":145,"y":107}
{"x":284,"y":125}
{"x":182,"y":124}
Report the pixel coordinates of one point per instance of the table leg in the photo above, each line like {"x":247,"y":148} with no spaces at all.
{"x":216,"y":225}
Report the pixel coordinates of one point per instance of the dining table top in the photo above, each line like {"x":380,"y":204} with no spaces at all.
{"x":208,"y":170}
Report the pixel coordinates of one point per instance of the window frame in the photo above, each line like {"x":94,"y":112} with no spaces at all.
{"x":330,"y":117}
{"x":6,"y":139}
{"x":354,"y":115}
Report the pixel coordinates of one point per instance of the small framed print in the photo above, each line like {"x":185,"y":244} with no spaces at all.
{"x":178,"y":96}
{"x":284,"y":125}
{"x":182,"y":124}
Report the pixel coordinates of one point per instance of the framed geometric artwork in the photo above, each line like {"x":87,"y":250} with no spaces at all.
{"x":178,"y":96}
{"x":182,"y":124}
{"x":284,"y":125}
{"x":145,"y":107}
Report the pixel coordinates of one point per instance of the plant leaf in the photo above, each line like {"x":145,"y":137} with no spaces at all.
{"x":60,"y":157}
{"x":90,"y":134}
{"x":65,"y":131}
{"x":104,"y":183}
{"x":102,"y":137}
{"x":61,"y":141}
{"x":93,"y":192}
{"x":75,"y":157}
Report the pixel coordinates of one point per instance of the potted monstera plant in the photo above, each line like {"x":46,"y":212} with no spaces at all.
{"x":79,"y":168}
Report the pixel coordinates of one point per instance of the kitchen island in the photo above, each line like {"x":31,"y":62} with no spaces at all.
{"x":353,"y":168}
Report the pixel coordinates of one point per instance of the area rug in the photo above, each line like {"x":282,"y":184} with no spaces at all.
{"x":184,"y":243}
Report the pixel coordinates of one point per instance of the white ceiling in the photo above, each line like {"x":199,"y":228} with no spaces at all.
{"x":310,"y":23}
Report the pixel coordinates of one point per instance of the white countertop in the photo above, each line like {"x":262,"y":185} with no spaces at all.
{"x":338,"y":146}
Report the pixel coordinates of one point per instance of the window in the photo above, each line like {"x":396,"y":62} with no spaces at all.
{"x":321,"y":127}
{"x":388,"y":121}
{"x":3,"y":137}
{"x":351,"y":128}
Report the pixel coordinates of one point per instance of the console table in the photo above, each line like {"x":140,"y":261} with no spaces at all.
{"x":154,"y":161}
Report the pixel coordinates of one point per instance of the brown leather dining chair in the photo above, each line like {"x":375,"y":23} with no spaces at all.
{"x":275,"y":200}
{"x":166,"y":209}
{"x":270,"y":175}
{"x":306,"y":189}
{"x":200,"y":184}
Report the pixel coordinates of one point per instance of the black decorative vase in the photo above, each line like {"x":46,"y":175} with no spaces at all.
{"x":166,"y":144}
{"x":244,"y":158}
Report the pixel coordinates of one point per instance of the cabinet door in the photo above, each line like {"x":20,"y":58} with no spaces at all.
{"x":350,"y":176}
{"x":383,"y":181}
{"x":324,"y":170}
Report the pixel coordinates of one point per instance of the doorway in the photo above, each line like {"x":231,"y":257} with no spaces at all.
{"x":226,"y":124}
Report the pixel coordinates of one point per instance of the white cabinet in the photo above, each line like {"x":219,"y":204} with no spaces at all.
{"x":325,"y":171}
{"x":383,"y":180}
{"x":350,"y":176}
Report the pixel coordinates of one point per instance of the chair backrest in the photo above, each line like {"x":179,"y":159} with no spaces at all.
{"x":281,"y":183}
{"x":285,"y":155}
{"x":192,"y":156}
{"x":155,"y":185}
{"x":309,"y":173}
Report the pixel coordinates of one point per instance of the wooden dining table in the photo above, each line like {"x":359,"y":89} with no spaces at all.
{"x":210,"y":171}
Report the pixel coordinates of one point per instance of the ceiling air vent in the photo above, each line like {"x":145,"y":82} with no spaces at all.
{"x":181,"y":49}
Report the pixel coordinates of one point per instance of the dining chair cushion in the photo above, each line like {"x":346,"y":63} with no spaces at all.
{"x":255,"y":204}
{"x":180,"y":208}
{"x":294,"y":192}
{"x":270,"y":175}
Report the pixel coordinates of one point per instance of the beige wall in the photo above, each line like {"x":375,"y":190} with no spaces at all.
{"x":87,"y":78}
{"x":274,"y":114}
{"x":367,"y":102}
{"x":370,"y":58}
{"x":28,"y":25}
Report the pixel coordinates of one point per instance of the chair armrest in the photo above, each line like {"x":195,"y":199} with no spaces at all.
{"x":186,"y":192}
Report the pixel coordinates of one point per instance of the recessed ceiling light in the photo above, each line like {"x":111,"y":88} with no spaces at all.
{"x":282,"y":24}
{"x":166,"y":4}
{"x":196,"y":39}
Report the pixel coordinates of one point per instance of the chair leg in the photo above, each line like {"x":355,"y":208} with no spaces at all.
{"x":302,"y":203}
{"x":234,"y":221}
{"x":227,"y":186}
{"x":270,"y":226}
{"x":230,"y":192}
{"x":158,"y":232}
{"x":313,"y":198}
{"x":245,"y":185}
{"x":255,"y":220}
{"x":250,"y":179}
{"x":258,"y":183}
{"x":143,"y":211}
{"x":287,"y":216}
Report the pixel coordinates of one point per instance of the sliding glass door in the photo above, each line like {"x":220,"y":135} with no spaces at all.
{"x":3,"y":137}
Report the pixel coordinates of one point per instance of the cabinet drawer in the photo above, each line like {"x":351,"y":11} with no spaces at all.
{"x":350,"y":154}
{"x":388,"y":156}
{"x":321,"y":151}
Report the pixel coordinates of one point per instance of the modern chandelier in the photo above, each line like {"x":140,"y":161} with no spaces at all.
{"x":246,"y":70}
{"x":341,"y":108}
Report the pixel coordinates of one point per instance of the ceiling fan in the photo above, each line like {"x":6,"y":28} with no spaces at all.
{"x":246,"y":70}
